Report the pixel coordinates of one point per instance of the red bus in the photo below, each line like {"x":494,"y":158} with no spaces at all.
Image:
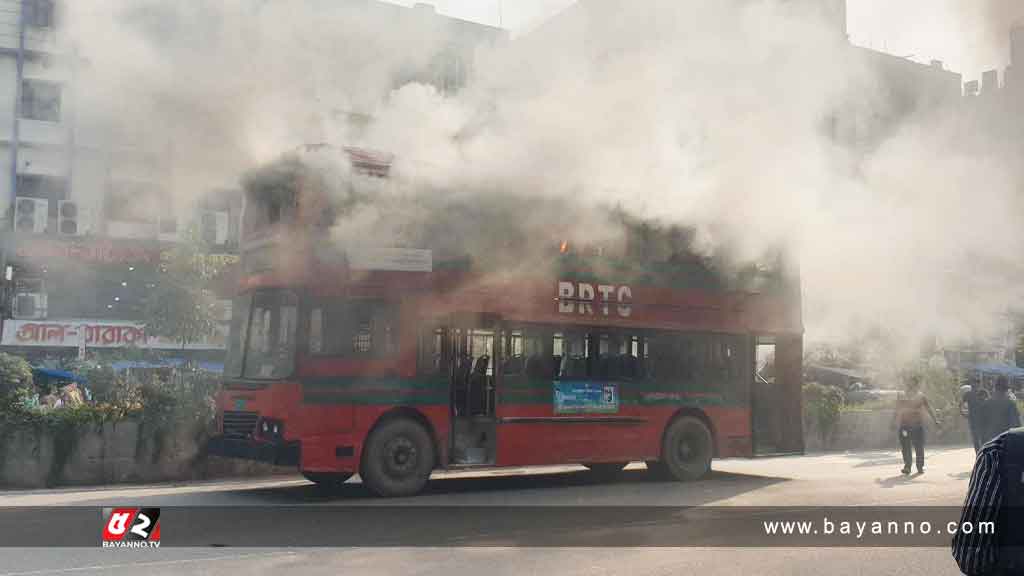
{"x":393,"y":363}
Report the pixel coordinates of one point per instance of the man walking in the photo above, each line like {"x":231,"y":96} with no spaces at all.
{"x":911,"y":423}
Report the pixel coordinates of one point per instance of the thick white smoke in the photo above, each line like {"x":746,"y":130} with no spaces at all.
{"x":718,"y":115}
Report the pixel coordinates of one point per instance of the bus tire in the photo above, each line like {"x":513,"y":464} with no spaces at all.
{"x":327,"y":480}
{"x":605,"y":470}
{"x":398,"y":458}
{"x":687,"y":449}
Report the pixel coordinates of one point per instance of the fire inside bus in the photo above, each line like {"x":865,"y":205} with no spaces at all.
{"x":391,"y":363}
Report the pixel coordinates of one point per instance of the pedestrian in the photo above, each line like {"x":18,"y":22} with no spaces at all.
{"x":1001,"y":412}
{"x":995,"y":497}
{"x":910,"y":423}
{"x":973,"y":400}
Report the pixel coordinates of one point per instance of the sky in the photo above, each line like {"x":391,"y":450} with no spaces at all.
{"x":924,"y":30}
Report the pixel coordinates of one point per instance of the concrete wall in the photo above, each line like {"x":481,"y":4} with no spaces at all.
{"x":113,"y":453}
{"x":872,"y":430}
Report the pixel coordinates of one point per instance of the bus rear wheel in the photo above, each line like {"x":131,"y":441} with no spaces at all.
{"x":687,"y":449}
{"x":398,"y":458}
{"x":327,"y":480}
{"x":605,"y":470}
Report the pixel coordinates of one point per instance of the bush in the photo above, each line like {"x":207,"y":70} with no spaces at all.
{"x":822,"y":407}
{"x":15,"y":373}
{"x":159,"y":407}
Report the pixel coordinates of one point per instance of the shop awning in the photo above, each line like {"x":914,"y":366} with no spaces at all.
{"x":997,"y":368}
{"x":138,"y":365}
{"x":58,"y":375}
{"x":214,"y":367}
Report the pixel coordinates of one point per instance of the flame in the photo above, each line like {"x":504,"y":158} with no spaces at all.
{"x":564,"y":247}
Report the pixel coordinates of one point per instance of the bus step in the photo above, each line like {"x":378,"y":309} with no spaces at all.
{"x":466,"y":466}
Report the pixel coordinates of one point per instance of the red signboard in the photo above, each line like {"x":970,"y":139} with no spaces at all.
{"x":92,"y":251}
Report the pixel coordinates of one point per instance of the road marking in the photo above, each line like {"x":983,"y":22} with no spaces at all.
{"x":154,"y":563}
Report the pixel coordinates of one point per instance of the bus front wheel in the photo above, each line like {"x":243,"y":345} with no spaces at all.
{"x":687,"y":449}
{"x":398,"y":458}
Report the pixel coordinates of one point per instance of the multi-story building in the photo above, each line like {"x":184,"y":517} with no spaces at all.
{"x":89,"y":222}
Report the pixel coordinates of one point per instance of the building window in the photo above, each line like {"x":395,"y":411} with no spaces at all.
{"x":40,"y":100}
{"x":39,"y":13}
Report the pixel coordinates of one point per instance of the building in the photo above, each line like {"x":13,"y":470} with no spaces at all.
{"x":90,"y":218}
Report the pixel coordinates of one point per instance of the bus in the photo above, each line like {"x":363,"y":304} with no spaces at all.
{"x":392,"y":363}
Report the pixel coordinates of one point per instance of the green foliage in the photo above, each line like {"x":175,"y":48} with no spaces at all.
{"x":159,"y":405}
{"x":182,"y":307}
{"x":822,"y":408}
{"x":15,"y":373}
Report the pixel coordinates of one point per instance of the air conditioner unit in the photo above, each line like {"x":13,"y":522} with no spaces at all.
{"x":73,"y":219}
{"x":29,"y":302}
{"x":214,"y":228}
{"x":31,"y":215}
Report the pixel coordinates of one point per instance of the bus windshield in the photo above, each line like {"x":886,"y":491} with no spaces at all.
{"x":262,"y":341}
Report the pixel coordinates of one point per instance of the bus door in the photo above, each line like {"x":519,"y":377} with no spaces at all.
{"x":766,"y":399}
{"x":472,"y":374}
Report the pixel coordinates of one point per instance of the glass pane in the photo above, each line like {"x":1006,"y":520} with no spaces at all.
{"x":271,"y":346}
{"x":238,"y":334}
{"x":316,"y":331}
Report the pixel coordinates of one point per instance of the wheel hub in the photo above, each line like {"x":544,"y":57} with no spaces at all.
{"x":401,"y":455}
{"x":685,"y":450}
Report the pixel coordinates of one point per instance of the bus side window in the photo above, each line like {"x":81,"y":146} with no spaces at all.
{"x":514,"y":363}
{"x":362,"y":335}
{"x":432,"y":351}
{"x":557,"y":353}
{"x":357,"y":329}
{"x":575,"y":355}
{"x":316,"y":330}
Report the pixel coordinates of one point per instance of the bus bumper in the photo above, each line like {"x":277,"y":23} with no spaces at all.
{"x":278,"y":454}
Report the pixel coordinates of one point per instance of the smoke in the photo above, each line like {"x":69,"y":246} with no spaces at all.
{"x":998,"y":17}
{"x":752,"y":123}
{"x":984,"y":29}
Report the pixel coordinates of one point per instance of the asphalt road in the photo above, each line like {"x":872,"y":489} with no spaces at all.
{"x":855,"y":479}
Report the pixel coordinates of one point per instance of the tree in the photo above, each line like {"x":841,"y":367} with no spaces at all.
{"x":182,"y":307}
{"x":15,"y":373}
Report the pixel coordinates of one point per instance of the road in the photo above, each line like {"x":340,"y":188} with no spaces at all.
{"x":861,"y":479}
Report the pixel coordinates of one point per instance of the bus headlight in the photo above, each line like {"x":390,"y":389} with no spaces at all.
{"x":271,"y":429}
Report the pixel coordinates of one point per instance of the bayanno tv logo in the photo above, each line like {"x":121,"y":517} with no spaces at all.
{"x":131,"y":527}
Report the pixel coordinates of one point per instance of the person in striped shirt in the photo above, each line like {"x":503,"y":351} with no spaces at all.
{"x":996,"y":495}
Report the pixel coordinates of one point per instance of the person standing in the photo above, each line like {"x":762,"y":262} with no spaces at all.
{"x":910,"y":423}
{"x":972,"y":405}
{"x":1001,"y":413}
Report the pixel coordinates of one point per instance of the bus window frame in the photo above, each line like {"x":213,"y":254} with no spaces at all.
{"x":296,"y":338}
{"x":373,"y":304}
